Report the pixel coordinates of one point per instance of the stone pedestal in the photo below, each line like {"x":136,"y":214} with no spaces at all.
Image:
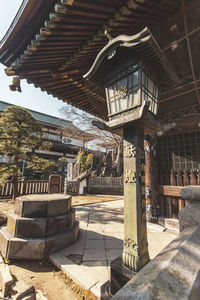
{"x":39,"y":226}
{"x":119,"y":275}
{"x":190,"y":215}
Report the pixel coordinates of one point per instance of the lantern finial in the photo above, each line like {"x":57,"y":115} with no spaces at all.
{"x":108,"y":35}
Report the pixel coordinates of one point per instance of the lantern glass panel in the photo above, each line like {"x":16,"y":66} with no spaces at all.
{"x":123,"y":94}
{"x":149,"y":91}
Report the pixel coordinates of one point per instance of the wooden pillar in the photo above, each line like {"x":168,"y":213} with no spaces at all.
{"x":135,"y":252}
{"x":151,"y":179}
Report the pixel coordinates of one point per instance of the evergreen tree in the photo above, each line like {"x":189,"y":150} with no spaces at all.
{"x":20,"y":133}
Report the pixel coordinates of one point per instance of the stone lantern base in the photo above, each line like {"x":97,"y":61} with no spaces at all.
{"x":119,"y":275}
{"x":39,"y":226}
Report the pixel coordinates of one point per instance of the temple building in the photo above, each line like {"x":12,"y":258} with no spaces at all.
{"x":66,"y":138}
{"x":52,"y":44}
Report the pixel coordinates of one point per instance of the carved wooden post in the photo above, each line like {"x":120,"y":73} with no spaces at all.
{"x":193,"y":178}
{"x":179,"y":178}
{"x":172,"y":178}
{"x":151,"y":179}
{"x":135,"y":253}
{"x":186,"y":178}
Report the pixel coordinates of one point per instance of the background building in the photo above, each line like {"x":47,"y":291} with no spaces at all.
{"x":66,"y":138}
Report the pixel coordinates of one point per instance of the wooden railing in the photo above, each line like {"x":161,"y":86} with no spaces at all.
{"x":25,"y":187}
{"x":180,"y":177}
{"x":170,"y":201}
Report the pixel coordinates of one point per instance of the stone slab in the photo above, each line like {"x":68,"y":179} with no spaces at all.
{"x":26,"y":227}
{"x":38,"y":206}
{"x":6,"y":279}
{"x":39,"y":227}
{"x":95,"y":244}
{"x":61,"y":240}
{"x":58,"y":206}
{"x":94,"y":254}
{"x":172,"y":224}
{"x":35,"y":249}
{"x":30,"y":249}
{"x":60,"y":223}
{"x":4,"y":238}
{"x":27,"y":291}
{"x":78,"y":274}
{"x":116,"y":244}
{"x":113,"y":253}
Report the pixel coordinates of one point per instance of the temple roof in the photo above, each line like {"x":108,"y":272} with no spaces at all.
{"x":53,"y":44}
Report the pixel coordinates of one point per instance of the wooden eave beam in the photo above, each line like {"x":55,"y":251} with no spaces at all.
{"x":112,"y":23}
{"x":190,"y":52}
{"x":93,"y":5}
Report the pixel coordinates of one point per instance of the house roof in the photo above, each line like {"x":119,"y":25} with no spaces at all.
{"x":53,"y":43}
{"x":43,"y":117}
{"x":68,"y":126}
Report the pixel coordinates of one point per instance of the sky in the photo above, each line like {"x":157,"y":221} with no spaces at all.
{"x":31,"y":97}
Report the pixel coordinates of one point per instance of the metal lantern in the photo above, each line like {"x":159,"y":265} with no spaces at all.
{"x":130,"y":87}
{"x":132,"y":69}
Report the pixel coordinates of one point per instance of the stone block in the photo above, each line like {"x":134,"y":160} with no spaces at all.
{"x":61,"y":240}
{"x":27,"y":208}
{"x":26,"y":227}
{"x":26,"y":249}
{"x":17,"y":248}
{"x":28,"y":291}
{"x":189,"y":216}
{"x":29,"y":297}
{"x":60,"y":223}
{"x":4,"y":239}
{"x":39,"y":227}
{"x":57,"y":207}
{"x":41,"y":206}
{"x":6,"y":279}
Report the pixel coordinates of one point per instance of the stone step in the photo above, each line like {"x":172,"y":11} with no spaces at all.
{"x":42,"y":206}
{"x":39,"y":227}
{"x":35,"y":248}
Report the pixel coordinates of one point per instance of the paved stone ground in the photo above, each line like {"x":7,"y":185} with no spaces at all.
{"x":100,"y":241}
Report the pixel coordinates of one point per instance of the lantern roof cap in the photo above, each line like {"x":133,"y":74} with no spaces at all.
{"x":142,"y":45}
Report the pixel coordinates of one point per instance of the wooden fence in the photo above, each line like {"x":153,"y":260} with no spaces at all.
{"x":106,"y":185}
{"x":25,"y":187}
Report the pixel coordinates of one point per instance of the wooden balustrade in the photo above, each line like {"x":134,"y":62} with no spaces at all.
{"x":25,"y":187}
{"x":180,"y":177}
{"x":169,"y":190}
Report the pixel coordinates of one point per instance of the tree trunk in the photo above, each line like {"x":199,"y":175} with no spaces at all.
{"x":119,"y":161}
{"x":15,"y":179}
{"x":15,"y":188}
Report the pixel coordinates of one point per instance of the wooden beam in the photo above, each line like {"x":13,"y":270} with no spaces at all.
{"x":168,"y":190}
{"x":190,"y":52}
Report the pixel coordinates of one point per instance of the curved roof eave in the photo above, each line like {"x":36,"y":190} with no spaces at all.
{"x":25,"y":24}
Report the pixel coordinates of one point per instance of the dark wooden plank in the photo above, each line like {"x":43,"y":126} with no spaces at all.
{"x":168,"y":190}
